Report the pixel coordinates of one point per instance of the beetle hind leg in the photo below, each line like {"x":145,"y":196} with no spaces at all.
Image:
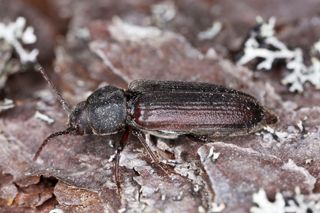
{"x":153,"y":156}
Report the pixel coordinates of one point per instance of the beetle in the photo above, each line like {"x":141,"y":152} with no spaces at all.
{"x":165,"y":109}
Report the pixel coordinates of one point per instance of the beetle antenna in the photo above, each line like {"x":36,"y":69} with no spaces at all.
{"x":63,"y":102}
{"x":53,"y":135}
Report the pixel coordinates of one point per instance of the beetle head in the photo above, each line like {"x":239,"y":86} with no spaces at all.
{"x":78,"y":119}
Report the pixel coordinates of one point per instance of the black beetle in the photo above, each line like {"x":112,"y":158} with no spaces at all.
{"x":168,"y":109}
{"x":165,"y":109}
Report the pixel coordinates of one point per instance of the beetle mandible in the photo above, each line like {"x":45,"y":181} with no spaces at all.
{"x":165,"y":109}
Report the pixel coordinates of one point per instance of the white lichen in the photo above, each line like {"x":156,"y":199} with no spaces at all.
{"x":297,"y":204}
{"x":316,"y":47}
{"x":111,"y":144}
{"x":301,"y":126}
{"x":217,"y":207}
{"x":201,"y":209}
{"x":17,"y":34}
{"x":122,"y":210}
{"x":56,"y":211}
{"x":178,"y":197}
{"x":264,"y":45}
{"x":210,"y":33}
{"x":269,"y":134}
{"x":214,"y":208}
{"x":308,"y":161}
{"x":163,"y":12}
{"x":163,"y":197}
{"x":123,"y":32}
{"x":43,"y":117}
{"x":82,"y":33}
{"x":211,"y":54}
{"x":6,"y":104}
{"x":301,"y":73}
{"x":112,"y":157}
{"x":213,"y":155}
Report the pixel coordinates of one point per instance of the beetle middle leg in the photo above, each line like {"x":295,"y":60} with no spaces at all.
{"x":153,"y":156}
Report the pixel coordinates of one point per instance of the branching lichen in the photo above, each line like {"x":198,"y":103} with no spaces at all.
{"x":301,"y":73}
{"x":263,"y":45}
{"x":12,"y":38}
{"x":16,"y":34}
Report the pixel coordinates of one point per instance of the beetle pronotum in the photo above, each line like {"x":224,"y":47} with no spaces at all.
{"x":165,"y":109}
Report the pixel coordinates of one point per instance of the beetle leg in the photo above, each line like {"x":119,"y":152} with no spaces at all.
{"x":161,"y":153}
{"x":152,"y":145}
{"x":153,"y":156}
{"x":123,"y":141}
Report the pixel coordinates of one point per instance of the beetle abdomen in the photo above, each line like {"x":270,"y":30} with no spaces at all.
{"x":195,"y":112}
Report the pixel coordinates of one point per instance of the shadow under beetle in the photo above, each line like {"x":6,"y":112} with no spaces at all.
{"x":164,"y":109}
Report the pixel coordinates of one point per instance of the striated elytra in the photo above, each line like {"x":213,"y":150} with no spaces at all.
{"x":169,"y":109}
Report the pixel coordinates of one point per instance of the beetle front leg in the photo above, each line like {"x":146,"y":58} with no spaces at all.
{"x":123,"y":141}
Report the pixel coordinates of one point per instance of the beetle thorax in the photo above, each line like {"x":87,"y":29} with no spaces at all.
{"x":103,"y":113}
